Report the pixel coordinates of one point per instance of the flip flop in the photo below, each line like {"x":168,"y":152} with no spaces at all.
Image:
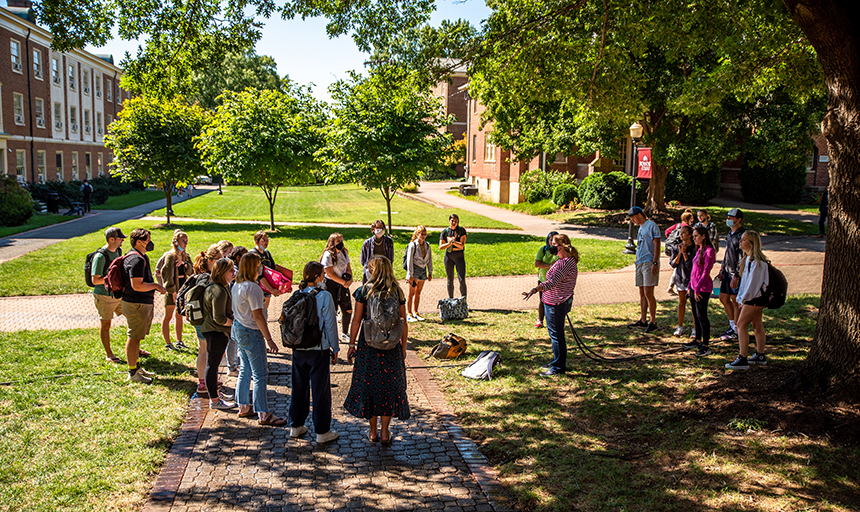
{"x":144,"y":353}
{"x":370,"y":437}
{"x":387,"y":441}
{"x":115,"y":360}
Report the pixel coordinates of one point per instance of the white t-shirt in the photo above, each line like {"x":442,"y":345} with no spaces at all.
{"x":248,"y":296}
{"x":342,"y":262}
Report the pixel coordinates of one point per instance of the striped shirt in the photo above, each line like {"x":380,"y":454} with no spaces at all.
{"x":560,"y":281}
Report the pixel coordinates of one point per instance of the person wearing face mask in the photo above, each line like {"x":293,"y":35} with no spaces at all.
{"x":311,"y":366}
{"x":543,"y":261}
{"x":452,"y":240}
{"x":419,"y":268}
{"x":261,"y":249}
{"x":338,"y":278}
{"x":137,"y":301}
{"x":379,"y":244}
{"x":730,"y":272}
{"x":557,"y":297}
{"x":171,"y":271}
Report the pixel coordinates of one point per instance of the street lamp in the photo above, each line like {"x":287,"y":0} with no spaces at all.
{"x":636,"y":135}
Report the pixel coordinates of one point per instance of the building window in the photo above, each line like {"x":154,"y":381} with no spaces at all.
{"x":560,"y":158}
{"x":86,"y":79}
{"x":73,"y":118}
{"x":39,"y":107}
{"x":474,"y":147}
{"x":18,"y":104}
{"x":72,"y":76}
{"x":40,"y":164}
{"x":109,"y":120}
{"x":99,"y":129}
{"x":109,"y":90}
{"x":37,"y":63}
{"x":100,"y":162}
{"x":98,"y":83}
{"x":87,"y":127}
{"x":489,"y":149}
{"x":74,"y":165}
{"x":20,"y":163}
{"x":59,"y":166}
{"x":88,"y":166}
{"x":15,"y":48}
{"x":58,"y":115}
{"x":55,"y":70}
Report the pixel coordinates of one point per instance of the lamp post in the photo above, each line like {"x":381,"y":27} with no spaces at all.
{"x":636,"y":135}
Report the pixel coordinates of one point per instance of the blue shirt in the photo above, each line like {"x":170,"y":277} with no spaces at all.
{"x":648,"y":231}
{"x":328,"y":321}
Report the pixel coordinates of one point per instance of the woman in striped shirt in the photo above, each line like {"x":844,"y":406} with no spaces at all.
{"x":557,"y":298}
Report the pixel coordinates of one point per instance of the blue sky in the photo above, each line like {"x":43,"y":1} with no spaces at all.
{"x":303,"y":51}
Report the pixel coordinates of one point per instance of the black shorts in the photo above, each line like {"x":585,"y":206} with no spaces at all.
{"x":758,"y":301}
{"x":725,"y":284}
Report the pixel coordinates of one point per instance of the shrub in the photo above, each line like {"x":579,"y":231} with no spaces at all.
{"x":772,"y":184}
{"x":410,"y":189}
{"x":537,"y":185}
{"x":16,"y":207}
{"x":102,"y":189}
{"x":693,"y":185}
{"x":564,"y":194}
{"x":609,"y":191}
{"x":439,"y":174}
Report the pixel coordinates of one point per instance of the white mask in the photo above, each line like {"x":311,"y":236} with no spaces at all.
{"x":378,"y":232}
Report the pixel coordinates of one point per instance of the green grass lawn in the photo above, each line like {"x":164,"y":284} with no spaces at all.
{"x":89,"y":442}
{"x":339,"y":204}
{"x":38,"y":220}
{"x":58,"y":269}
{"x":800,"y":207}
{"x":135,"y":198}
{"x":639,"y":435}
{"x":761,"y":222}
{"x":543,"y":207}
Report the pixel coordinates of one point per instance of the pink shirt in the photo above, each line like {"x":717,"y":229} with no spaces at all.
{"x":560,"y":281}
{"x":700,"y":278}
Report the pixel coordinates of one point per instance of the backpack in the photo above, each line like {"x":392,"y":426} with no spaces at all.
{"x":777,"y":288}
{"x":673,"y":239}
{"x":114,"y":282}
{"x":451,"y":347}
{"x":383,"y":327}
{"x":405,"y":253}
{"x":88,"y":264}
{"x":189,"y":284}
{"x":453,"y":309}
{"x":482,"y":367}
{"x":300,"y":324}
{"x":194,"y":300}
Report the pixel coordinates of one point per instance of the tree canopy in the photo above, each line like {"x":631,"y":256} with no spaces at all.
{"x":236,"y":72}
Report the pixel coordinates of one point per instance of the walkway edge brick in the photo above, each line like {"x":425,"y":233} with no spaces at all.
{"x":170,"y":475}
{"x":484,"y":474}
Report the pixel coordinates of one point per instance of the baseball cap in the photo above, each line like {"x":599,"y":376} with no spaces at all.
{"x":633,"y":211}
{"x":114,"y":233}
{"x":735,"y":212}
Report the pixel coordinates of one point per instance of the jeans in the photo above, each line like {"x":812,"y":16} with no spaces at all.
{"x":700,"y":316}
{"x":252,"y":353}
{"x":311,"y":372}
{"x":216,"y":343}
{"x":555,"y":316}
{"x":455,"y":259}
{"x":342,"y":301}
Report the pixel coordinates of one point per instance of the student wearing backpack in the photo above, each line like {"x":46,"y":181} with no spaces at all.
{"x":87,"y":192}
{"x":701,"y":286}
{"x":312,"y":366}
{"x":754,"y":280}
{"x":106,"y":304}
{"x":171,"y":271}
{"x":543,"y":261}
{"x":673,"y":238}
{"x":681,"y":259}
{"x":338,"y":278}
{"x":203,"y":265}
{"x":378,"y":389}
{"x":379,"y":244}
{"x":419,"y":268}
{"x":261,"y":249}
{"x":217,"y":322}
{"x":137,"y":301}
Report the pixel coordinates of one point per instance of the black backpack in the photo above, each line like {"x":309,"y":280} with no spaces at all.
{"x":300,"y":324}
{"x":777,"y":288}
{"x":88,"y":264}
{"x":673,"y":239}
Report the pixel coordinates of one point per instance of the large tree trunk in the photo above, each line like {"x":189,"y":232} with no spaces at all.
{"x":656,"y":201}
{"x":833,"y":28}
{"x":168,"y":196}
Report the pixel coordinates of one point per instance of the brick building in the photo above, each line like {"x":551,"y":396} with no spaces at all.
{"x":54,"y":106}
{"x":453,"y":95}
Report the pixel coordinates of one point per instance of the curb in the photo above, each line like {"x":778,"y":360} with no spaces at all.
{"x":484,"y":474}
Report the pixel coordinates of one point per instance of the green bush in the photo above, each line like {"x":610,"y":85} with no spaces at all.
{"x":609,"y":191}
{"x":693,"y":185}
{"x":564,"y":194}
{"x":537,"y":185}
{"x":439,"y":174}
{"x":102,"y":189}
{"x":16,"y":207}
{"x":772,"y":184}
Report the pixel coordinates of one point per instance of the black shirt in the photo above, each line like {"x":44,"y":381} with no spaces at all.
{"x":458,"y":233}
{"x":136,"y":265}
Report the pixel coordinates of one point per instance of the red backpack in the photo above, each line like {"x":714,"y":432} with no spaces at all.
{"x":113,"y":277}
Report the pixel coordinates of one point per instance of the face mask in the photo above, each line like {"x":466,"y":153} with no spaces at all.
{"x":553,"y":249}
{"x":150,"y":246}
{"x":730,"y":223}
{"x":378,"y":232}
{"x":319,"y":284}
{"x":339,"y":246}
{"x":180,"y":248}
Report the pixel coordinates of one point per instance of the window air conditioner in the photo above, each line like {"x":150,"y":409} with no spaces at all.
{"x":87,"y":129}
{"x":56,"y":79}
{"x":40,"y":123}
{"x":86,"y":90}
{"x":58,"y":124}
{"x":19,"y":118}
{"x":16,"y":66}
{"x":74,"y":127}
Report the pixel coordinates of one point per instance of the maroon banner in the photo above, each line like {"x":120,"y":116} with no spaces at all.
{"x":644,"y":163}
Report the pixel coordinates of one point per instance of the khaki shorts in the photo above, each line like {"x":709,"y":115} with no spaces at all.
{"x":645,"y":275}
{"x":169,"y":300}
{"x":139,"y":318}
{"x":107,"y":306}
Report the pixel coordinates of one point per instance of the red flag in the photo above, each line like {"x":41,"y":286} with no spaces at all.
{"x":644,"y":163}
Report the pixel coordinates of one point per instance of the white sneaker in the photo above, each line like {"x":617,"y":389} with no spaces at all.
{"x":679,"y":331}
{"x":139,"y":377}
{"x":329,"y":436}
{"x":298,"y":431}
{"x":416,"y":317}
{"x":693,"y":333}
{"x":410,"y":318}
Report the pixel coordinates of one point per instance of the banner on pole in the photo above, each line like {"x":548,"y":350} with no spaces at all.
{"x":644,"y":163}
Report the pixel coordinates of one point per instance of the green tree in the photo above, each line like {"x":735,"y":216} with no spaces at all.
{"x":386,"y":132}
{"x":154,"y":140}
{"x":266,"y":138}
{"x":236,"y":72}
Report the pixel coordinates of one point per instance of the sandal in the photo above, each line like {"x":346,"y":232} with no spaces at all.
{"x":248,"y":414}
{"x":114,"y":359}
{"x":387,"y":441}
{"x":144,"y":353}
{"x":372,"y":439}
{"x":273,"y":421}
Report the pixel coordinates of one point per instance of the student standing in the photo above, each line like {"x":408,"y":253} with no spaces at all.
{"x":754,"y":280}
{"x":419,"y":268}
{"x":137,"y":301}
{"x":452,"y":240}
{"x":543,"y":261}
{"x":171,"y":271}
{"x":87,"y":192}
{"x":261,"y":249}
{"x":705,"y":221}
{"x":338,"y":278}
{"x":106,"y":304}
{"x":203,"y":265}
{"x":730,"y":272}
{"x":681,"y":259}
{"x":701,"y":286}
{"x":217,"y":322}
{"x":379,"y":244}
{"x":647,"y":267}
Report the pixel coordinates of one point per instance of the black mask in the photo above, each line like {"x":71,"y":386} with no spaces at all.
{"x":150,"y":246}
{"x":553,"y":249}
{"x":339,"y":246}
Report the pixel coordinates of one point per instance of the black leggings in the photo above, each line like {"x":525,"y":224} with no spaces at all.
{"x":216,"y":344}
{"x":342,"y":301}
{"x":455,"y":259}
{"x":700,"y":315}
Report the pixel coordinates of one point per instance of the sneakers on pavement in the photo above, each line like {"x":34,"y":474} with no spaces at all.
{"x":298,"y":431}
{"x":222,"y":405}
{"x":679,"y":331}
{"x":651,"y":327}
{"x":740,"y":363}
{"x":328,"y":437}
{"x":703,"y":351}
{"x":691,"y":345}
{"x":138,"y":376}
{"x":758,"y":359}
{"x":637,"y":324}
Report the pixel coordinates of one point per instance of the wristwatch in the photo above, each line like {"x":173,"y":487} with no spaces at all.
{"x":656,"y":262}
